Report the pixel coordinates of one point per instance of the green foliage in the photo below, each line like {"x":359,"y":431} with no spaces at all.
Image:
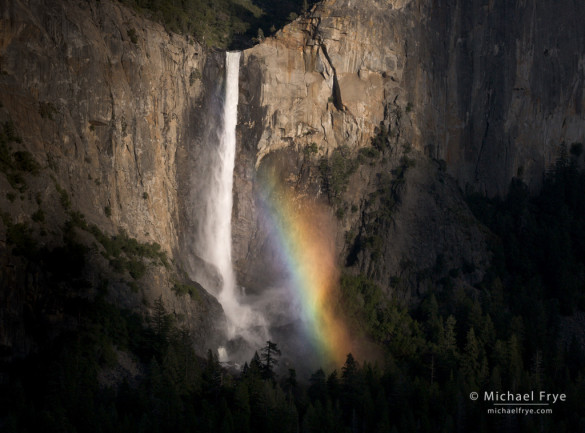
{"x":379,"y":212}
{"x":381,"y":140}
{"x":120,"y":244}
{"x":336,"y":171}
{"x":15,"y":164}
{"x":108,"y":211}
{"x":541,"y":239}
{"x":136,"y":268}
{"x":38,"y":216}
{"x":127,"y":254}
{"x":576,"y":149}
{"x":191,"y":289}
{"x":132,"y":35}
{"x":179,"y":391}
{"x":124,"y":253}
{"x":195,"y":75}
{"x":370,"y":310}
{"x":505,"y":334}
{"x":65,"y":384}
{"x":63,"y":197}
{"x":24,"y":161}
{"x":458,"y":340}
{"x":311,"y":149}
{"x":47,"y":110}
{"x":19,"y":236}
{"x":368,"y":153}
{"x":431,"y":364}
{"x":221,"y":23}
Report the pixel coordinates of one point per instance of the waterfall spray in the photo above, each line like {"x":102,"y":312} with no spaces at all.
{"x":216,"y":234}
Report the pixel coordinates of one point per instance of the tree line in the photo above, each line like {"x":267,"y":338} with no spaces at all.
{"x":518,"y":331}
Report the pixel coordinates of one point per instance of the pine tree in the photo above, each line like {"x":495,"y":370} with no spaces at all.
{"x":318,"y":389}
{"x":351,"y":389}
{"x":515,"y":364}
{"x":333,"y":386}
{"x":212,"y":376}
{"x":470,"y":361}
{"x":269,"y":354}
{"x":241,"y":408}
{"x":350,"y":368}
{"x":161,"y":324}
{"x":160,"y":320}
{"x":290,"y":384}
{"x":255,"y":368}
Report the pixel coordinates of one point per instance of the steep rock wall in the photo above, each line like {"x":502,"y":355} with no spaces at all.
{"x":102,"y":98}
{"x":106,"y":102}
{"x":114,"y":109}
{"x":488,"y":90}
{"x":331,"y":81}
{"x":508,"y":78}
{"x":491,"y":87}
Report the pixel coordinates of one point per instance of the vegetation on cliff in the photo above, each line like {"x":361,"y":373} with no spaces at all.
{"x":222,"y":23}
{"x":508,"y":334}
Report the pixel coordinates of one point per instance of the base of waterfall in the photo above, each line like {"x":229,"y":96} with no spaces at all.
{"x":282,"y":323}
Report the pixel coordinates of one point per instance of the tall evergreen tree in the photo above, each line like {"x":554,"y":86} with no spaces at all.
{"x":317,"y":389}
{"x":269,"y":359}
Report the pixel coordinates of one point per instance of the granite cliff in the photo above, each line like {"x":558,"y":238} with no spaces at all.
{"x":432,"y":100}
{"x":103,"y":102}
{"x":386,"y":111}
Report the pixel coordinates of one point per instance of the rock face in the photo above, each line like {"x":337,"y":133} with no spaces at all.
{"x":489,"y":91}
{"x":103,"y":99}
{"x":105,"y":102}
{"x":511,"y":78}
{"x":489,"y":88}
{"x":385,"y":110}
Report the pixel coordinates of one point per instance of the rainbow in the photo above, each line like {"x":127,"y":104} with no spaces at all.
{"x":307,"y":247}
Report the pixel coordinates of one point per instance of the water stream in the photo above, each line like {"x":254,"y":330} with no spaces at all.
{"x":216,"y":233}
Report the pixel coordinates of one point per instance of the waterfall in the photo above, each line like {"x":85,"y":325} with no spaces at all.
{"x":219,"y":211}
{"x":215,"y":237}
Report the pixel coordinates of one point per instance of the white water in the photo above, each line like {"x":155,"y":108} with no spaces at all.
{"x":216,"y":236}
{"x":222,"y":354}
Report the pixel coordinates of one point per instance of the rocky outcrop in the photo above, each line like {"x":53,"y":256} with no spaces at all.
{"x":105,"y":102}
{"x":324,"y":79}
{"x":491,"y":89}
{"x":488,"y":91}
{"x":102,"y":99}
{"x":387,"y":111}
{"x":508,"y":81}
{"x":337,"y":79}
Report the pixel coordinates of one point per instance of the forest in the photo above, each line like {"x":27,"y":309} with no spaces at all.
{"x":510,"y":333}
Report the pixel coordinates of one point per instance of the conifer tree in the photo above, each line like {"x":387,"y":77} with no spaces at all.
{"x":317,"y":389}
{"x":470,"y":361}
{"x":269,"y":361}
{"x":333,"y":386}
